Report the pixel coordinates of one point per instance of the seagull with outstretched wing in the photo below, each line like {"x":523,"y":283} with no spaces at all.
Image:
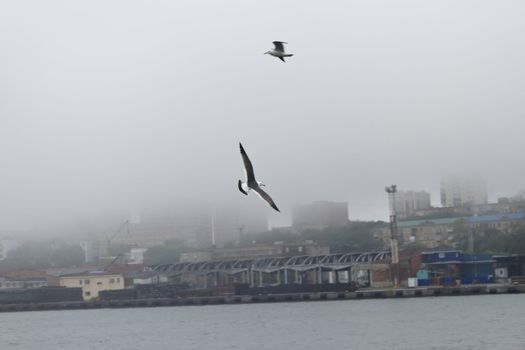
{"x":278,"y":51}
{"x":251,"y":183}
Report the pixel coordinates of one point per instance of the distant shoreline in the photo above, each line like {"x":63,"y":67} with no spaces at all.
{"x":394,"y":293}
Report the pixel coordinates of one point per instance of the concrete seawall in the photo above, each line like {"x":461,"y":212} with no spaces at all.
{"x":272,"y":298}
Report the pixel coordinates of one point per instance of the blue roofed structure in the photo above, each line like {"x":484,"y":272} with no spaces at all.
{"x":452,"y":267}
{"x":495,"y":217}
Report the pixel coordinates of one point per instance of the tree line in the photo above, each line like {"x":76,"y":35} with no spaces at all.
{"x":43,"y":254}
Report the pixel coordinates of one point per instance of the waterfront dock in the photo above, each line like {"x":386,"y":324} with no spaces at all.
{"x":272,"y":298}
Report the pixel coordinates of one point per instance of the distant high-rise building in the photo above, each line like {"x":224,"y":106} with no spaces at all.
{"x":462,"y":192}
{"x":319,"y":215}
{"x":408,"y":202}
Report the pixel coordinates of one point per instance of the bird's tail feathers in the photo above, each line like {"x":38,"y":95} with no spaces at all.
{"x":239,"y":184}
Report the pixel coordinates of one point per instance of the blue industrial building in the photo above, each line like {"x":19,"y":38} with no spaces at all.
{"x":453,"y":267}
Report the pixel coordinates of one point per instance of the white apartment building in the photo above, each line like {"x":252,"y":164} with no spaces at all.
{"x":408,"y":202}
{"x":462,"y":192}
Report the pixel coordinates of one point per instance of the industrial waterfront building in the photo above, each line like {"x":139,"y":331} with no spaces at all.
{"x":372,"y":268}
{"x":91,"y":282}
{"x":453,"y":267}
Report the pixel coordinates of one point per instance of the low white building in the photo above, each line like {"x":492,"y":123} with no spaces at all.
{"x":148,"y":277}
{"x":136,"y":256}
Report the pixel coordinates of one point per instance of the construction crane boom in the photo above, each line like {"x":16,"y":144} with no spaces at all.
{"x":109,"y":239}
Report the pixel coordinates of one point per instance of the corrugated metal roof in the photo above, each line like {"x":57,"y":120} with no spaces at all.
{"x":90,"y":274}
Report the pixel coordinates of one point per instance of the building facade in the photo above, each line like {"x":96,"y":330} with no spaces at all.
{"x":91,"y":282}
{"x":453,"y":267}
{"x":502,"y":206}
{"x":432,"y":233}
{"x":462,"y":192}
{"x":408,"y":203}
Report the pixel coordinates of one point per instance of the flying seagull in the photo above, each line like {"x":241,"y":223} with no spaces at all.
{"x":278,"y":51}
{"x":251,"y":183}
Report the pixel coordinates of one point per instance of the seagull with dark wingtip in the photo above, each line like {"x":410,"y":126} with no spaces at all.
{"x":251,"y":183}
{"x":278,"y":51}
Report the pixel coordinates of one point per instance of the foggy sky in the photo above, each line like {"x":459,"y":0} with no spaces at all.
{"x":113,"y":106}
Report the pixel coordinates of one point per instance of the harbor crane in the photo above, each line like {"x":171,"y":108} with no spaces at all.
{"x":110,"y":238}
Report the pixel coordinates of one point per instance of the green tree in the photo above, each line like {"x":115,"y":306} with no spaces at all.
{"x":516,"y":242}
{"x":267,"y":237}
{"x":355,"y":237}
{"x":43,"y":254}
{"x":493,"y":241}
{"x":169,"y":252}
{"x":460,"y":238}
{"x":67,"y":255}
{"x":30,"y":255}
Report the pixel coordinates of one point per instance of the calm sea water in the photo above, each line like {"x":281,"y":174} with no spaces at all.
{"x":474,"y":322}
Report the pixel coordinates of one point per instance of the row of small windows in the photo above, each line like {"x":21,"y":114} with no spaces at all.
{"x":23,"y":284}
{"x":111,"y":280}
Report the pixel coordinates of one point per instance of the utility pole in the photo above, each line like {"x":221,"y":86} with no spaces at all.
{"x":241,"y":230}
{"x":470,"y":240}
{"x":213,"y":227}
{"x":471,"y":251}
{"x":391,"y":190}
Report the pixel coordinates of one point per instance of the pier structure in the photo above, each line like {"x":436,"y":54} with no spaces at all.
{"x":265,"y":298}
{"x":272,"y":271}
